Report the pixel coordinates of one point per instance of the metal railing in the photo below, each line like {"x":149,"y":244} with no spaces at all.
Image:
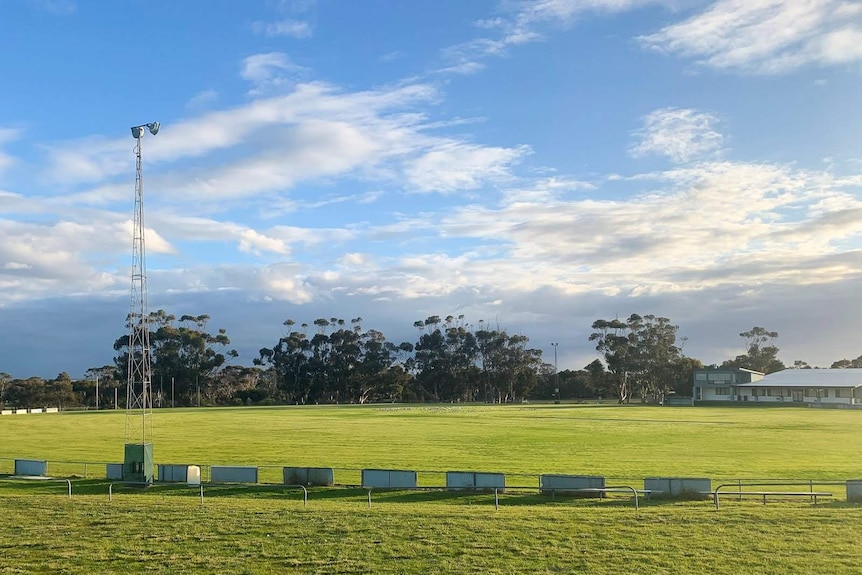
{"x":272,"y":475}
{"x":740,"y":492}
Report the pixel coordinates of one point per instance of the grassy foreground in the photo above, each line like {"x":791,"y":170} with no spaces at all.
{"x":269,"y":531}
{"x":244,"y":534}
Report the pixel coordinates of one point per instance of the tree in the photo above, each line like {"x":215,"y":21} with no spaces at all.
{"x":656,"y":355}
{"x":509,"y":370}
{"x":59,"y":392}
{"x":186,"y":353}
{"x":683,"y":375}
{"x":28,"y":392}
{"x":761,"y":352}
{"x":640,"y":353}
{"x":599,"y":380}
{"x":343,"y":365}
{"x":108,"y":380}
{"x":5,"y":379}
{"x":230,"y":382}
{"x":848,"y":363}
{"x":615,"y":342}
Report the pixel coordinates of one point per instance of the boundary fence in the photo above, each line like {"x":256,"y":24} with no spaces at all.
{"x":274,"y":476}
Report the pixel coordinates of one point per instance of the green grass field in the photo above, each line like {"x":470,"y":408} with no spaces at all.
{"x":263,"y":531}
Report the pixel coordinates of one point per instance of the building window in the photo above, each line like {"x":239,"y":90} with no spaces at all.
{"x":841,"y":392}
{"x":700,"y":376}
{"x":770,"y":391}
{"x":722,"y":391}
{"x":753,"y":392}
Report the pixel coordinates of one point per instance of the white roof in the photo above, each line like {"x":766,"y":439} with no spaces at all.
{"x":810,"y":378}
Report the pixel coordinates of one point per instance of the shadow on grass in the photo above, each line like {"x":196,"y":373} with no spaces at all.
{"x":511,"y":498}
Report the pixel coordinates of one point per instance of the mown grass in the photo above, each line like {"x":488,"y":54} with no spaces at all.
{"x":148,"y":532}
{"x":240,"y":530}
{"x":618,"y":442}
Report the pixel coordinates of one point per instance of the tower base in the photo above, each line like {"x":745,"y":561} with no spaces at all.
{"x":138,"y":463}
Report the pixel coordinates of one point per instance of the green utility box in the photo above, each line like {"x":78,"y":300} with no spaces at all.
{"x":138,"y":463}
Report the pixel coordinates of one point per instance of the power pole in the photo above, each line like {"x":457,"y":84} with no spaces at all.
{"x":556,"y":376}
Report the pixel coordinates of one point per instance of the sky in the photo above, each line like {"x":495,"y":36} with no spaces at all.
{"x":534,"y":165}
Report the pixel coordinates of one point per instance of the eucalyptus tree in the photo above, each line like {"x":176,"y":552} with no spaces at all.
{"x":508,"y":369}
{"x":761,"y":352}
{"x":339,"y":363}
{"x":378,"y":375}
{"x":106,"y":379}
{"x":847,"y":363}
{"x":287,"y":362}
{"x":182,"y":352}
{"x":615,"y":342}
{"x":430,"y":360}
{"x":5,"y":378}
{"x":640,"y":354}
{"x":30,"y":392}
{"x":657,"y":354}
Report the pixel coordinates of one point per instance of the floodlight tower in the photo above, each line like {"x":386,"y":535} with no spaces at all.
{"x":138,"y":460}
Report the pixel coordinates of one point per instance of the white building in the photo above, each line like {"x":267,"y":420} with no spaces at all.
{"x":719,"y":384}
{"x":835,"y":386}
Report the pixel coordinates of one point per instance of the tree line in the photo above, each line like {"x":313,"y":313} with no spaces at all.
{"x":337,"y":361}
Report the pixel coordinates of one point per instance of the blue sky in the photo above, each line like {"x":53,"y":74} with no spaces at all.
{"x":535,"y":164}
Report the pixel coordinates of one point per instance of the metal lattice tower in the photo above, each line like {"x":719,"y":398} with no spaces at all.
{"x":138,"y":465}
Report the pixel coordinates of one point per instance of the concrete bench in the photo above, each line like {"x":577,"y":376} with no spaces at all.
{"x":388,"y":478}
{"x":308,"y":476}
{"x":233,"y":474}
{"x":678,"y":486}
{"x":475,"y":480}
{"x":31,"y":467}
{"x":179,"y":473}
{"x":114,"y":471}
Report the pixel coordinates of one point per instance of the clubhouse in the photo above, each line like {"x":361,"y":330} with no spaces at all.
{"x":805,"y":386}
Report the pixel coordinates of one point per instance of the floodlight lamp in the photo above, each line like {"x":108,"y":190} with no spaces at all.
{"x":154,"y":127}
{"x":137,"y":132}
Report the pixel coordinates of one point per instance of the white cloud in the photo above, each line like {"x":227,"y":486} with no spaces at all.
{"x":522,"y":22}
{"x":7,"y":135}
{"x":202,"y":99}
{"x":56,"y":7}
{"x":530,"y":11}
{"x":393,"y":56}
{"x":310,"y":150}
{"x":454,"y":166}
{"x":462,"y":69}
{"x":290,"y":28}
{"x":5,"y":161}
{"x":255,"y":243}
{"x":378,"y":111}
{"x":17,"y":266}
{"x":679,"y":134}
{"x":767,"y":36}
{"x":268,"y":70}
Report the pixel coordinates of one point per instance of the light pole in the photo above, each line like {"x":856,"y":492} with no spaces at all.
{"x":556,"y":375}
{"x":138,"y":461}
